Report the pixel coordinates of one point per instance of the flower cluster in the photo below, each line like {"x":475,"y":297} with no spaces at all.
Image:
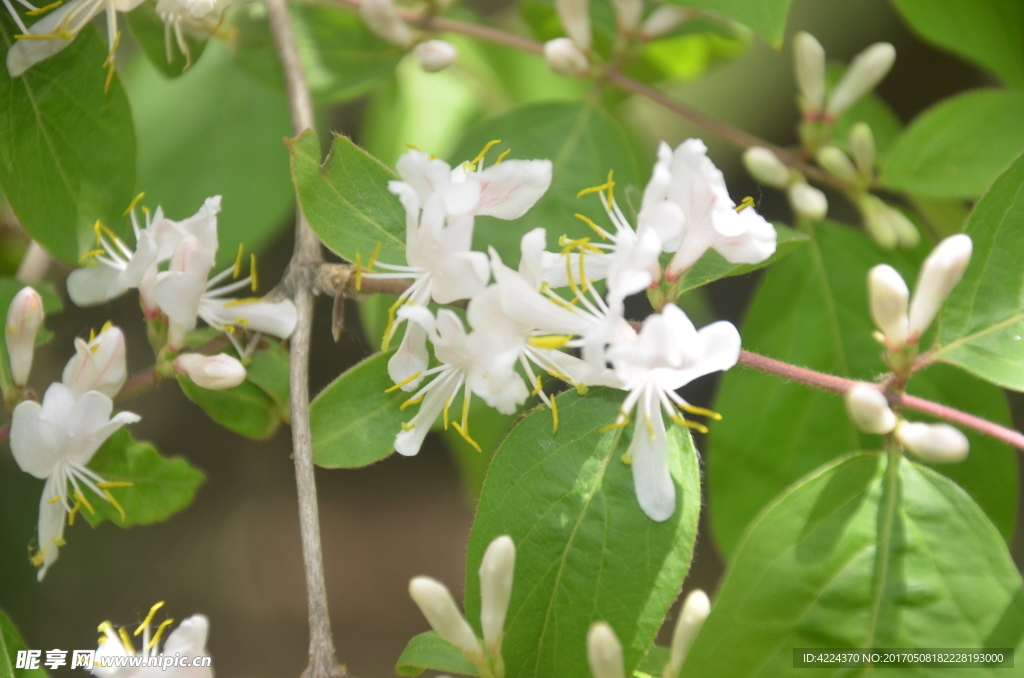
{"x":175,"y":659}
{"x":518,"y":320}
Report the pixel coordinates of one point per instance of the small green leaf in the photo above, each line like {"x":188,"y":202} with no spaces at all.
{"x":51,"y":304}
{"x":654,"y":663}
{"x":767,"y":17}
{"x":860,"y":555}
{"x":958,"y":147}
{"x":148,"y":30}
{"x":268,"y":369}
{"x":245,"y":409}
{"x":10,"y":644}
{"x":427,"y":652}
{"x":347,"y":201}
{"x":584,"y":549}
{"x":67,"y":149}
{"x":355,"y":420}
{"x":341,"y":58}
{"x":988,"y":32}
{"x":161,"y":486}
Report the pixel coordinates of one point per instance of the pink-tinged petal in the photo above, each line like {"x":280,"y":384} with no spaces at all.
{"x":629,"y":269}
{"x":460,"y":198}
{"x":51,"y":523}
{"x":424,"y":174}
{"x":89,"y":412}
{"x":179,"y":295}
{"x":666,"y":219}
{"x":652,"y":479}
{"x":98,"y":365}
{"x":35,"y":441}
{"x":410,"y":358}
{"x":95,"y":285}
{"x":751,"y":241}
{"x":510,"y":189}
{"x":459,"y":276}
{"x":695,"y":243}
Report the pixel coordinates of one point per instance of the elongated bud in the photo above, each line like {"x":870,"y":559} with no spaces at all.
{"x":862,"y":146}
{"x":877,"y":221}
{"x":889,"y":295}
{"x":695,"y":610}
{"x":810,"y":71}
{"x":838,"y":164}
{"x":907,"y":235}
{"x":439,"y":608}
{"x":496,"y":571}
{"x":24,"y":318}
{"x":935,"y":443}
{"x":940,"y":273}
{"x":766,"y":167}
{"x":869,"y":409}
{"x":98,"y":364}
{"x":381,"y":18}
{"x":575,"y":17}
{"x":213,"y":372}
{"x":604,"y":652}
{"x":807,"y":201}
{"x":663,"y":19}
{"x":627,"y":14}
{"x":865,"y":72}
{"x":435,"y":55}
{"x":565,"y":58}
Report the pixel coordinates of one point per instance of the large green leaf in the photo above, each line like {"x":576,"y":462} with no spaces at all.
{"x":10,"y":644}
{"x":860,"y":555}
{"x":150,"y":34}
{"x":161,"y":486}
{"x":812,"y":310}
{"x":51,"y":304}
{"x":245,"y":409}
{"x":582,"y":141}
{"x":213,"y":131}
{"x":958,"y":147}
{"x":347,"y":201}
{"x":428,"y":652}
{"x":988,"y":32}
{"x":67,"y":149}
{"x":341,"y":58}
{"x":355,"y":420}
{"x":584,"y":549}
{"x":982,"y":322}
{"x":767,"y":17}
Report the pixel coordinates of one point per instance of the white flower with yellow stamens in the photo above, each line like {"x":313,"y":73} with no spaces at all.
{"x":667,"y":354}
{"x":182,"y":648}
{"x":54,"y":442}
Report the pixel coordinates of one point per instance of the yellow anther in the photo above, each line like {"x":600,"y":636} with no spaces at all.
{"x":255,"y":278}
{"x":609,"y":186}
{"x":43,"y":10}
{"x":59,"y":541}
{"x":229,"y":329}
{"x":113,"y":50}
{"x":244,"y":322}
{"x":36,"y":558}
{"x":85,"y":502}
{"x":104,"y":627}
{"x":31,"y":36}
{"x":101,"y":640}
{"x":711,"y":414}
{"x":110,"y":498}
{"x":135,"y":200}
{"x":411,"y":402}
{"x":650,"y":427}
{"x":447,"y":404}
{"x":408,"y":426}
{"x":465,"y":436}
{"x":115,"y":483}
{"x":100,"y":229}
{"x":502,"y":156}
{"x":149,"y":617}
{"x":689,"y":424}
{"x":482,"y":154}
{"x":73,"y":512}
{"x":390,"y":329}
{"x":581,"y":388}
{"x":126,"y":641}
{"x":242,"y":301}
{"x":55,"y":499}
{"x":402,"y":383}
{"x":558,"y":375}
{"x":91,"y":253}
{"x":106,"y":326}
{"x":554,"y":416}
{"x":64,"y":35}
{"x":550,"y":340}
{"x":159,"y":631}
{"x":626,"y":458}
{"x":237,"y":268}
{"x":373,"y":257}
{"x":92,"y":335}
{"x":744,"y":204}
{"x":537,"y":387}
{"x":618,"y":423}
{"x":465,"y":412}
{"x":359,"y":272}
{"x":408,"y":145}
{"x":569,"y":245}
{"x":590,"y":222}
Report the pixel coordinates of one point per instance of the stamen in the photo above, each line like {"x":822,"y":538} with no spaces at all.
{"x":701,"y":428}
{"x":126,"y":641}
{"x":159,"y":630}
{"x":91,"y":253}
{"x":711,"y":414}
{"x":35,"y":558}
{"x":92,"y":335}
{"x":447,"y":404}
{"x":626,"y":458}
{"x":609,"y":185}
{"x":408,"y":145}
{"x":411,"y":402}
{"x":589,"y":222}
{"x":744,"y":204}
{"x":502,"y":156}
{"x":84,"y":501}
{"x":402,"y":383}
{"x":551,"y":341}
{"x":252,"y":272}
{"x":480,"y":156}
{"x":106,"y":326}
{"x":109,"y":63}
{"x":149,"y":617}
{"x":242,"y":301}
{"x":135,"y":200}
{"x":237,"y":269}
{"x":408,"y":425}
{"x":465,"y":410}
{"x":54,"y":500}
{"x":244,"y":322}
{"x":650,"y":427}
{"x":618,"y":423}
{"x":390,"y":329}
{"x":581,"y":388}
{"x":359,"y":272}
{"x":537,"y":387}
{"x":554,"y":415}
{"x":110,"y":498}
{"x":373,"y":257}
{"x":465,"y":436}
{"x":72,"y":512}
{"x":43,"y":10}
{"x":104,"y":627}
{"x":32,"y":36}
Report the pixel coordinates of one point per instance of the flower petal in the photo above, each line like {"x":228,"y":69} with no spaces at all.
{"x":652,"y":479}
{"x":35,"y":440}
{"x":94,"y":285}
{"x":26,"y":53}
{"x":51,"y":523}
{"x":411,"y":356}
{"x":179,"y":294}
{"x":508,"y":190}
{"x":752,"y":242}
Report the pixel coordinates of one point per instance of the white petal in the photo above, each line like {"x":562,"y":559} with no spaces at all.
{"x":35,"y":440}
{"x":752,"y":242}
{"x":461,"y":275}
{"x":652,"y":479}
{"x":276,"y":318}
{"x":95,"y":285}
{"x":423,"y":174}
{"x":408,"y":443}
{"x":142,"y":259}
{"x":26,"y":53}
{"x":179,"y":294}
{"x":410,"y":358}
{"x":51,"y":524}
{"x":510,"y":189}
{"x":460,"y":198}
{"x":666,"y":219}
{"x":92,"y":442}
{"x":527,"y":306}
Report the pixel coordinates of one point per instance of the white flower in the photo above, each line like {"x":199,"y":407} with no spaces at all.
{"x":24,"y":318}
{"x":934,"y":443}
{"x":99,"y":364}
{"x":54,"y":442}
{"x":185,"y":644}
{"x":438,"y":606}
{"x":869,"y":409}
{"x":888,"y":295}
{"x":181,"y":17}
{"x":667,"y":354}
{"x":213,"y":372}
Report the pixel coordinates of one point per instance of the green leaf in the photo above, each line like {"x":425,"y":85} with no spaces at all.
{"x":161,"y":486}
{"x":856,"y":557}
{"x":958,"y":147}
{"x":982,"y":322}
{"x":245,"y":409}
{"x":428,"y":652}
{"x":767,"y":17}
{"x":355,"y":420}
{"x":341,"y":58}
{"x":347,"y":201}
{"x":9,"y":288}
{"x":654,"y":663}
{"x":582,"y":141}
{"x":584,"y":549}
{"x":811,"y":309}
{"x":67,"y":150}
{"x":148,"y":30}
{"x":489,"y":428}
{"x":214,"y":132}
{"x":988,"y":32}
{"x":10,"y":644}
{"x":268,"y":369}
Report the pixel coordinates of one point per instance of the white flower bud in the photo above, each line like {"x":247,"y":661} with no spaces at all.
{"x":940,"y":273}
{"x":99,"y":364}
{"x":627,"y":14}
{"x":838,"y":164}
{"x":766,"y":167}
{"x":865,"y":72}
{"x":695,"y":610}
{"x":435,"y":55}
{"x":810,"y":71}
{"x":869,"y":409}
{"x":24,"y":318}
{"x":604,"y":652}
{"x":444,"y":617}
{"x":213,"y":372}
{"x":663,"y":19}
{"x":877,"y":221}
{"x":565,"y":58}
{"x":935,"y":443}
{"x":862,"y":146}
{"x":907,"y":235}
{"x":496,"y":571}
{"x":381,"y":18}
{"x":807,"y":201}
{"x":888,"y":295}
{"x":575,"y":17}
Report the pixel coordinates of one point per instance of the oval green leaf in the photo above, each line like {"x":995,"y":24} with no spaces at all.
{"x":10,"y":644}
{"x":767,"y":17}
{"x":245,"y":409}
{"x":428,"y":651}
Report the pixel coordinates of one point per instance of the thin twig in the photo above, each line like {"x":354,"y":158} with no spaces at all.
{"x":322,"y":661}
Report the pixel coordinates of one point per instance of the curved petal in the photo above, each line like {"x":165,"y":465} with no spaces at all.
{"x":460,"y":198}
{"x":35,"y":441}
{"x":141,"y":260}
{"x":94,"y":285}
{"x":276,"y":318}
{"x":409,"y":442}
{"x":525,"y":305}
{"x":752,"y":242}
{"x":424,"y":174}
{"x":26,"y":53}
{"x":179,"y":294}
{"x":666,"y":219}
{"x":461,"y":275}
{"x":652,"y":479}
{"x":51,"y":523}
{"x":719,"y":349}
{"x":508,"y":190}
{"x":96,"y":438}
{"x":410,"y":358}
{"x":656,"y":190}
